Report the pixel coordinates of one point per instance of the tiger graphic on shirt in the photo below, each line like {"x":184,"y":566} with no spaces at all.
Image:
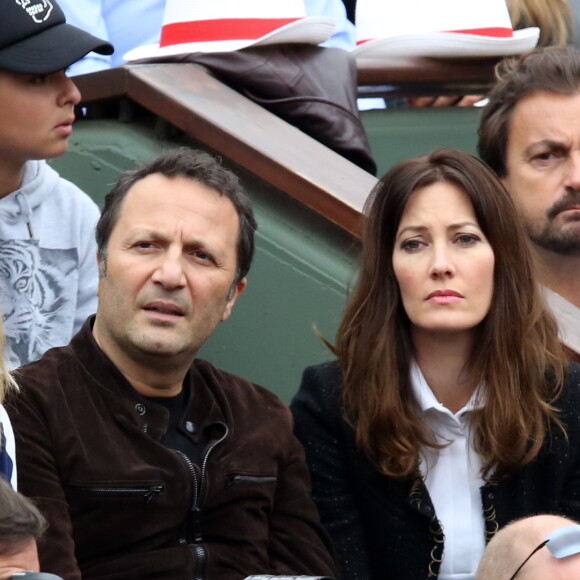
{"x":34,"y":290}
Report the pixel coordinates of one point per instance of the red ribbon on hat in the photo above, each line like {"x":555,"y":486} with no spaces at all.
{"x":496,"y":32}
{"x":220,"y":29}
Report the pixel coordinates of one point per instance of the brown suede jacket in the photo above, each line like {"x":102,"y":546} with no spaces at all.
{"x":122,"y":506}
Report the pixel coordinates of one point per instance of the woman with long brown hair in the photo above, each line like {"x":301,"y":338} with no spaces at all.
{"x":450,"y":410}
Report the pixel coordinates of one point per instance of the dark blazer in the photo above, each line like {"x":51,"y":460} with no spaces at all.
{"x":122,"y":506}
{"x":386,"y":528}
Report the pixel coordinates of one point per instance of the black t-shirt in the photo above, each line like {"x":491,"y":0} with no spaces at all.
{"x":178,"y":431}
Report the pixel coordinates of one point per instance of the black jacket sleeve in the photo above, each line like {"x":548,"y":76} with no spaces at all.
{"x":328,"y":441}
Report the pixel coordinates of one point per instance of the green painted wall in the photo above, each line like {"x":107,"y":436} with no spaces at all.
{"x":400,"y":133}
{"x":302,"y":268}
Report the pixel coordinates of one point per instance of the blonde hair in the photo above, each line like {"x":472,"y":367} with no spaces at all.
{"x":6,"y":380}
{"x":552,"y":17}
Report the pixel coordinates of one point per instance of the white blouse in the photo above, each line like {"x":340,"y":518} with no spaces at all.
{"x":452,"y":477}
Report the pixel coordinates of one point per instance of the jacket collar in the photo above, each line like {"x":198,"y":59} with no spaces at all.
{"x":207,"y":404}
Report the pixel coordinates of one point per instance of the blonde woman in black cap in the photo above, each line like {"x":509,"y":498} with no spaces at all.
{"x":48,"y":273}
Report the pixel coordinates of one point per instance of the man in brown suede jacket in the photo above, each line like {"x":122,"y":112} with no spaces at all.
{"x":149,"y":463}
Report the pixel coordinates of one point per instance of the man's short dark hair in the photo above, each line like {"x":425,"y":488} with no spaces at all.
{"x":200,"y":167}
{"x":20,"y":520}
{"x":552,"y":69}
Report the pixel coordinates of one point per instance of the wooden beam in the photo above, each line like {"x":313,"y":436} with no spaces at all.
{"x":407,"y":76}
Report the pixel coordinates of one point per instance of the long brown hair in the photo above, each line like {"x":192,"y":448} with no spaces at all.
{"x":518,"y":345}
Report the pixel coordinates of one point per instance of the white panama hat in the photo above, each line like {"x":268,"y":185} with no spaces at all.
{"x":441,"y":29}
{"x":227,"y":25}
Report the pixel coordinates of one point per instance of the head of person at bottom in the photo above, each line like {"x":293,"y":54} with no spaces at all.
{"x":540,"y":547}
{"x":21,"y":526}
{"x":175,"y":242}
{"x":447,"y":284}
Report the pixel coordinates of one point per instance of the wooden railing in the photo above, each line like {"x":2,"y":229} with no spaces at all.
{"x":406,"y":77}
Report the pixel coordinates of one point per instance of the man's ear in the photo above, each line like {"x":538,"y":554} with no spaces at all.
{"x":233,"y":294}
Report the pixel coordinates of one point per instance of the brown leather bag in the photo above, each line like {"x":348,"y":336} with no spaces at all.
{"x":310,"y":87}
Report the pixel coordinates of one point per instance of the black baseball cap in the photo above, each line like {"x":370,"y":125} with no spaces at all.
{"x":35,"y":38}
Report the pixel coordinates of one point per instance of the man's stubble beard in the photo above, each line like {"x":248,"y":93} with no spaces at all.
{"x":554,"y":238}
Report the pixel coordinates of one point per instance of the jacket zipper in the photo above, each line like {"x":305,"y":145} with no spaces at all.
{"x":191,"y":469}
{"x":237,"y":478}
{"x":199,"y":550}
{"x":208,"y":452}
{"x":147,"y":492}
{"x":200,"y":558}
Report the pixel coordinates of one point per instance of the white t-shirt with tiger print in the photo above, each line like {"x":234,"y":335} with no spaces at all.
{"x":48,"y":269}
